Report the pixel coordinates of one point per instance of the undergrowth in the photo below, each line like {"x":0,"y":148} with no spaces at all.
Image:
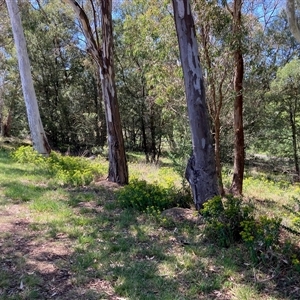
{"x":68,"y":170}
{"x":230,"y":220}
{"x":128,"y":253}
{"x":147,"y":197}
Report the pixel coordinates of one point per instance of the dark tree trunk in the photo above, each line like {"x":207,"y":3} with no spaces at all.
{"x":153,"y":133}
{"x":144,"y":137}
{"x":218,"y":155}
{"x":216,"y":105}
{"x":201,"y":169}
{"x":100,"y":126}
{"x":294,"y":138}
{"x":239,"y":151}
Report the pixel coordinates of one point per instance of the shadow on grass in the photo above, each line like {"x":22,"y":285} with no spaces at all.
{"x":99,"y":251}
{"x":23,"y":192}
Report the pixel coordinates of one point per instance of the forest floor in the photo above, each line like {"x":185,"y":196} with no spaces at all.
{"x":58,"y":242}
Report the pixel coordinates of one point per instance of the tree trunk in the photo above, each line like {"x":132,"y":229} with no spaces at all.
{"x":216,"y":105}
{"x":103,"y":56}
{"x":292,"y":19}
{"x":38,"y":136}
{"x":100,"y":126}
{"x":201,"y":170}
{"x":118,"y":171}
{"x":218,"y":155}
{"x":294,"y":138}
{"x":239,"y":151}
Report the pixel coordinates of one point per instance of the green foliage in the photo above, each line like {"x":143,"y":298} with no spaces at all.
{"x":294,"y":210}
{"x":223,"y":218}
{"x":74,"y":171}
{"x":26,"y":154}
{"x":150,"y":198}
{"x":260,"y":236}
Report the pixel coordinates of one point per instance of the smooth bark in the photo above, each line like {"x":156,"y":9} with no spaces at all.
{"x":292,"y":19}
{"x":39,"y":139}
{"x":201,"y":170}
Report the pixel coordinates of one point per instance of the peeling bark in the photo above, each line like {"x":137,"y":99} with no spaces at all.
{"x":39,"y":139}
{"x":201,"y":170}
{"x":118,"y":170}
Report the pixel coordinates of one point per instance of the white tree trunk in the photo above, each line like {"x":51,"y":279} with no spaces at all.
{"x":38,"y":136}
{"x":201,"y":169}
{"x":292,"y":19}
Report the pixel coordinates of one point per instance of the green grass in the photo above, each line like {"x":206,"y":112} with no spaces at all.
{"x":68,"y":242}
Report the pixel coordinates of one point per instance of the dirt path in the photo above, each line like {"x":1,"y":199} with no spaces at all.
{"x":33,"y":267}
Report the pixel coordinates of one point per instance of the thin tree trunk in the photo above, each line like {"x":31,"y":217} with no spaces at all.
{"x":39,"y":139}
{"x":201,"y":170}
{"x":294,"y":138}
{"x":218,"y":155}
{"x":215,"y":107}
{"x":239,"y":151}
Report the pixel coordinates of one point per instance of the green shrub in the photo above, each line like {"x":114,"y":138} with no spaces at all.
{"x":223,"y":219}
{"x":260,"y":236}
{"x":26,"y":154}
{"x":294,"y":210}
{"x":65,"y":169}
{"x":147,"y":197}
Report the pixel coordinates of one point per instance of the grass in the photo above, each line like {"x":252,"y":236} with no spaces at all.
{"x":64,"y":242}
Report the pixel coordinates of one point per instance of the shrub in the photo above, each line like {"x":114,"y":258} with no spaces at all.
{"x":147,"y":197}
{"x":294,"y":210}
{"x":223,"y":219}
{"x":66,"y":169}
{"x":260,"y":236}
{"x":26,"y":154}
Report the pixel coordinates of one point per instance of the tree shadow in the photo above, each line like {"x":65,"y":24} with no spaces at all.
{"x":101,"y":251}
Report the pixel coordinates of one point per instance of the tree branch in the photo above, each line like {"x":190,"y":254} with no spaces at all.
{"x":93,"y":49}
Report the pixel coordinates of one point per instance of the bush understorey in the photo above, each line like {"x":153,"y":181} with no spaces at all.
{"x":230,"y":220}
{"x":152,"y":198}
{"x":67,"y":170}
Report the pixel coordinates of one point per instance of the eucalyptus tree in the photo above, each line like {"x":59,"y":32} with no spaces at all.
{"x":214,"y":22}
{"x":63,"y":77}
{"x":102,"y":54}
{"x":39,"y":139}
{"x":200,"y":171}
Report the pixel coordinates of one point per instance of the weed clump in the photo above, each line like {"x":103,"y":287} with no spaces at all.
{"x":229,"y":220}
{"x":223,"y":219}
{"x":261,"y":236}
{"x":149,"y":198}
{"x":68,"y":170}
